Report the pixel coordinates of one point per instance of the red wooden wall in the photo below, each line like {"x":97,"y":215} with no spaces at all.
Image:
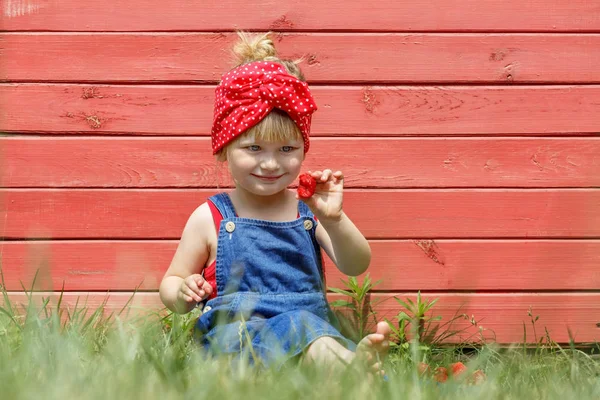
{"x":468,"y":132}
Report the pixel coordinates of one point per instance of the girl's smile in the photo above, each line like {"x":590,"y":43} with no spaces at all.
{"x":265,"y":168}
{"x":268,"y":178}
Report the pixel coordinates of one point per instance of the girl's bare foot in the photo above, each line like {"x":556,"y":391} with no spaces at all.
{"x":373,"y":348}
{"x":370,"y":351}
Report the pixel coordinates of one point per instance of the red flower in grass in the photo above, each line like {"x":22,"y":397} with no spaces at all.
{"x":423,"y":368}
{"x":306,"y":186}
{"x":441,"y":374}
{"x":458,"y":369}
{"x":476,"y":377}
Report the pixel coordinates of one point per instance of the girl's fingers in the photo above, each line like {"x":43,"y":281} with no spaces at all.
{"x":187,"y":292}
{"x":204,"y":287}
{"x":207,"y":288}
{"x":200,"y":281}
{"x":196,"y":297}
{"x":191,"y":284}
{"x":326,"y":175}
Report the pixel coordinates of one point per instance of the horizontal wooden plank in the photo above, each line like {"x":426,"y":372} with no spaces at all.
{"x":345,"y":57}
{"x":343,"y":110}
{"x":502,"y":316}
{"x":50,"y":162}
{"x":399,"y":265}
{"x":389,"y":15}
{"x":411,"y":214}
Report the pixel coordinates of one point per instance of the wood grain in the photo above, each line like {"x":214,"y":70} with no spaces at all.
{"x":343,"y":110}
{"x":285,"y":15}
{"x":330,"y":58}
{"x":148,"y":162}
{"x":399,"y":265}
{"x":383,"y":214}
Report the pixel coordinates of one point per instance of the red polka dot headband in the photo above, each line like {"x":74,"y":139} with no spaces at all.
{"x":250,"y":92}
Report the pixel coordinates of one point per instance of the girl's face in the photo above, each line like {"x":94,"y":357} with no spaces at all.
{"x":265,"y":168}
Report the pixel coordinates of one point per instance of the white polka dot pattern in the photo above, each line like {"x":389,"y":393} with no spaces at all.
{"x":248,"y":93}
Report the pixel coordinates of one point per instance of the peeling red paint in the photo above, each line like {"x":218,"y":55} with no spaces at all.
{"x":509,"y":71}
{"x":369,"y":99}
{"x":497,"y":55}
{"x":282,"y":22}
{"x":93,"y":120}
{"x":312,"y":60}
{"x":431,"y":250}
{"x":89,"y":93}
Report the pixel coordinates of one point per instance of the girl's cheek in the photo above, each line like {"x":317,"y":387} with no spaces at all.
{"x":296,"y":163}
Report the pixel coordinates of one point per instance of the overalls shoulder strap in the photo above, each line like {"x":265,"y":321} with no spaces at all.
{"x":304,"y":210}
{"x":223,"y":203}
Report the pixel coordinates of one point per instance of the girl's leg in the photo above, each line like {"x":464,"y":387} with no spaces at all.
{"x":328,"y":351}
{"x":371,"y":350}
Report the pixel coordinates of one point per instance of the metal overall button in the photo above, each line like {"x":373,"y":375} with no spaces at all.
{"x":206,"y":309}
{"x":308,"y":224}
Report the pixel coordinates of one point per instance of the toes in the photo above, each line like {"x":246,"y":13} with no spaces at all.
{"x":377,"y":342}
{"x":384,"y":329}
{"x":367,"y":342}
{"x":385,"y":347}
{"x":375,"y":338}
{"x":365,"y":354}
{"x":374,"y":343}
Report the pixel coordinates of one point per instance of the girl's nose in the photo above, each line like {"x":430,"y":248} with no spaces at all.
{"x":269,"y":163}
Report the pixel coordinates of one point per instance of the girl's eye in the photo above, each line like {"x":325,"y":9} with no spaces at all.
{"x":287,"y":149}
{"x":253,"y":148}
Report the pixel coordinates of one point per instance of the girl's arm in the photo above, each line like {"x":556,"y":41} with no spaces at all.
{"x":345,"y":245}
{"x":188,"y":261}
{"x":336,"y":233}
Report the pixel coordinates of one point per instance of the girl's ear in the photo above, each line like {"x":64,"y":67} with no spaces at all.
{"x":221,"y":156}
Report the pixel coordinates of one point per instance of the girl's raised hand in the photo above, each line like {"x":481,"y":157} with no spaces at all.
{"x":194,"y":289}
{"x":327,"y":201}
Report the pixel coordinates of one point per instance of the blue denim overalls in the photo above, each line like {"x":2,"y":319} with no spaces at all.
{"x":271,"y":299}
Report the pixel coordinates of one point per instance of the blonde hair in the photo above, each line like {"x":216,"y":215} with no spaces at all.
{"x":277,"y":125}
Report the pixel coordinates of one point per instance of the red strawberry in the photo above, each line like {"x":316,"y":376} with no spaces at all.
{"x":423,"y":368}
{"x":458,"y":368}
{"x":441,"y":374}
{"x":477,"y":377}
{"x":307,"y":186}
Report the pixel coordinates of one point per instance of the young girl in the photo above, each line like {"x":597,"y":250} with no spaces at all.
{"x":252,"y":257}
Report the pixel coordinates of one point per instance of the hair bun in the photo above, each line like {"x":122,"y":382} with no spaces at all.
{"x":260,"y":47}
{"x":257,"y":48}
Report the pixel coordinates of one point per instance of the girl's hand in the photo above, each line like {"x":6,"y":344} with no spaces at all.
{"x":194,"y":289}
{"x":326,"y":203}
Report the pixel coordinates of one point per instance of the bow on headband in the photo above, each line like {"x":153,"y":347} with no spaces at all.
{"x":248,"y":93}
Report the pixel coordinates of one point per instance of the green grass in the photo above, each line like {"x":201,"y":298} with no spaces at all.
{"x":156,"y":358}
